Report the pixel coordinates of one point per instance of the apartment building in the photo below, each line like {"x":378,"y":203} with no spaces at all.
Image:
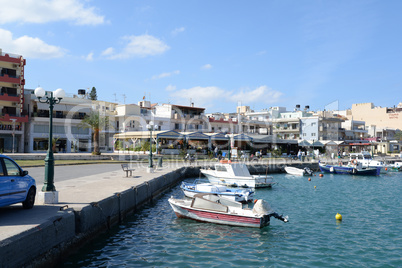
{"x":68,"y":132}
{"x":381,"y":117}
{"x":13,"y":116}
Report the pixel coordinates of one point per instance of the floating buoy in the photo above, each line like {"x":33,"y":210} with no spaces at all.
{"x":386,"y":169}
{"x":309,"y":179}
{"x":338,"y":217}
{"x":315,"y":187}
{"x":321,"y":175}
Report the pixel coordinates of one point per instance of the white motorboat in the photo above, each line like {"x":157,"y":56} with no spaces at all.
{"x":239,"y":195}
{"x":214,"y":209}
{"x":367,"y":161}
{"x":236,"y":175}
{"x":299,"y":171}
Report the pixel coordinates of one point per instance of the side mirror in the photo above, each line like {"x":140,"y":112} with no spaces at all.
{"x":24,"y":173}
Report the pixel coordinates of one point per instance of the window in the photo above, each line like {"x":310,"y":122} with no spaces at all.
{"x":11,"y":167}
{"x":220,"y":168}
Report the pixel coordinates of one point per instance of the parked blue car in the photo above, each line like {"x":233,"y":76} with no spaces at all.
{"x":15,"y":184}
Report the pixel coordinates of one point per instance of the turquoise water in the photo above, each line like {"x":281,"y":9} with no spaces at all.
{"x":370,"y":234}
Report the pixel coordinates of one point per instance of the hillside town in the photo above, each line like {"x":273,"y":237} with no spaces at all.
{"x":24,"y":125}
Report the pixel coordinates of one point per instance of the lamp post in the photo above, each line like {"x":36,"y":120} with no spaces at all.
{"x":313,"y":150}
{"x":150,"y":127}
{"x":54,"y":98}
{"x":230,"y":136}
{"x":13,"y":120}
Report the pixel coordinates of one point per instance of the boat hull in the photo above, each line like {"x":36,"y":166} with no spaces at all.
{"x":245,"y":195}
{"x":251,"y":182}
{"x":335,"y":169}
{"x":186,"y":212}
{"x":297,"y":171}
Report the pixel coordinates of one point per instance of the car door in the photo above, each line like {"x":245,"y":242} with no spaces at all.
{"x":5,"y":186}
{"x":18,"y":184}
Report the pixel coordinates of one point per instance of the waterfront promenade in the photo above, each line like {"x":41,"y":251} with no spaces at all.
{"x":90,"y":198}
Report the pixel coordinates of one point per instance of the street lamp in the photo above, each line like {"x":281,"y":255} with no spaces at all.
{"x":150,"y":127}
{"x":313,"y":150}
{"x":230,"y":136}
{"x":54,"y":98}
{"x":13,"y":120}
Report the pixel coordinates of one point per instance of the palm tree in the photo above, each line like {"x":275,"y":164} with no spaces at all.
{"x":95,"y":122}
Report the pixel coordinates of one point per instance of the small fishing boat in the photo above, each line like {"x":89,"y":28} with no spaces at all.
{"x":354,"y":168}
{"x":367,"y":161}
{"x":239,"y":195}
{"x":236,"y":175}
{"x":214,"y":209}
{"x":299,"y":171}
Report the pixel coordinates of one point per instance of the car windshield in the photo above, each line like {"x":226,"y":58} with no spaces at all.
{"x":12,"y":168}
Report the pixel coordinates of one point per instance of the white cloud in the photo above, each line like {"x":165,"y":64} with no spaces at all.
{"x":34,"y":11}
{"x":107,"y":52}
{"x":163,"y":75}
{"x":214,"y":96}
{"x":138,"y":46}
{"x":262,"y":94}
{"x":206,"y":67}
{"x":202,"y":96}
{"x":178,"y":30}
{"x":170,"y":88}
{"x":29,"y":47}
{"x":89,"y":57}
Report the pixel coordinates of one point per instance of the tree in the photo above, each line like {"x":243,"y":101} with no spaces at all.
{"x":95,"y":122}
{"x":398,"y":135}
{"x":93,"y":95}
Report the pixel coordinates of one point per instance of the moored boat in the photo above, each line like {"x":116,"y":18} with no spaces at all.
{"x":239,"y":195}
{"x":236,"y":175}
{"x":353,"y":169}
{"x":214,"y":209}
{"x":367,"y":161}
{"x":299,"y":171}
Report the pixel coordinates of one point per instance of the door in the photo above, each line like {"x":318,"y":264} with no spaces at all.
{"x":18,"y":184}
{"x":5,"y":187}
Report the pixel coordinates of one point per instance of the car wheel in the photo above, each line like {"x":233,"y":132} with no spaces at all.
{"x":30,"y":201}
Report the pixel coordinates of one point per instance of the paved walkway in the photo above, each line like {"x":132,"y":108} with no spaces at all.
{"x":78,"y":186}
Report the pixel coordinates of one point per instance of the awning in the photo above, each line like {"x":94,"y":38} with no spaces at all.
{"x":316,"y":143}
{"x":242,"y":137}
{"x":304,"y":143}
{"x":217,"y":136}
{"x":197,"y":136}
{"x":357,"y":143}
{"x":169,"y":135}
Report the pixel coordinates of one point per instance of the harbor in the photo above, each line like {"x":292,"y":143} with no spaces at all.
{"x":94,"y":200}
{"x":368,"y":235}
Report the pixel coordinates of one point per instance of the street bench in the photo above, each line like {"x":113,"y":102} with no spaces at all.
{"x":127,"y":169}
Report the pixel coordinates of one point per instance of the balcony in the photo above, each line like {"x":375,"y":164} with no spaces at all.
{"x":10,"y":79}
{"x":6,"y":97}
{"x":8,"y":117}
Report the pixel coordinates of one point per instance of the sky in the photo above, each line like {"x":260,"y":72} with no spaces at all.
{"x":216,"y":54}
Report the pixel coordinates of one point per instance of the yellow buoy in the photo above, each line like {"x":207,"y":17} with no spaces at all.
{"x":338,"y":217}
{"x":315,"y":186}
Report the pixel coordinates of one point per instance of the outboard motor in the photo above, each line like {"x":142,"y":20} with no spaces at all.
{"x":308,"y":171}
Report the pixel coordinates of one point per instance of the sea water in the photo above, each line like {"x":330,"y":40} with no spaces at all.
{"x":370,"y":234}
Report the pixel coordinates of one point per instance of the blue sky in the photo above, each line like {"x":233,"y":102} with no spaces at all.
{"x":216,"y":54}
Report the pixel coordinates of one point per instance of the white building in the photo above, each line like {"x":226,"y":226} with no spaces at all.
{"x":68,"y":132}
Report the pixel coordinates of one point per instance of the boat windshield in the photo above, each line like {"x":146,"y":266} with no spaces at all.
{"x":367,"y":157}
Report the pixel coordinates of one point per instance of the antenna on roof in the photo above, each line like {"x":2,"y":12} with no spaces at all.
{"x":124,"y":97}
